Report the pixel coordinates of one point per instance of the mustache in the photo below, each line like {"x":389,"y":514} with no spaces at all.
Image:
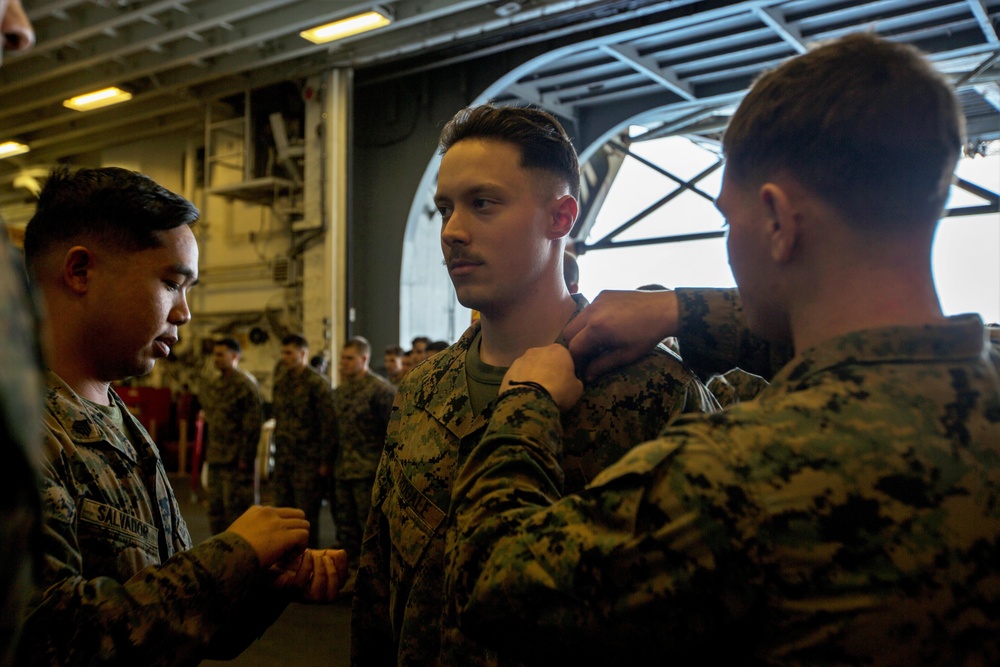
{"x":460,"y":255}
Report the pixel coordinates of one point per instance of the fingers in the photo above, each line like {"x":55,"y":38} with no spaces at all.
{"x":286,"y":512}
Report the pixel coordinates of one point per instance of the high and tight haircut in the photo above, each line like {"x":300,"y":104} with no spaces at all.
{"x":420,"y":339}
{"x":866,"y":124}
{"x":123,"y":208}
{"x":298,"y":340}
{"x":360,"y":345}
{"x":229,"y":343}
{"x":394,"y":350}
{"x":543,"y":142}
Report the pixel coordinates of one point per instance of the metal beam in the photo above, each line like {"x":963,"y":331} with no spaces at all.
{"x":982,"y":14}
{"x":776,"y":21}
{"x":628,"y":55}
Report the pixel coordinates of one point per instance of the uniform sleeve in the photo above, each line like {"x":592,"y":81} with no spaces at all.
{"x":372,"y":639}
{"x":175,"y":613}
{"x":714,"y":336}
{"x":253,"y":421}
{"x":640,"y":564}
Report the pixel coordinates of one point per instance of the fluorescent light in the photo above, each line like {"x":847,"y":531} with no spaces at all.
{"x":354,"y":25}
{"x":97,"y":99}
{"x":9,"y":148}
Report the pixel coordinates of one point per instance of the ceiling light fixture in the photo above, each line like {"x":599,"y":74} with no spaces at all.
{"x":97,"y":99}
{"x":9,"y":148}
{"x":378,"y":17}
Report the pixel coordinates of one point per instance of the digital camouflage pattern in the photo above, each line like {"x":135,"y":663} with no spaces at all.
{"x":234,"y":413}
{"x":715,"y":338}
{"x":846,"y":516}
{"x":20,"y":414}
{"x":303,"y":441}
{"x":735,"y":386}
{"x":399,"y":603}
{"x":121,"y":583}
{"x":362,"y":410}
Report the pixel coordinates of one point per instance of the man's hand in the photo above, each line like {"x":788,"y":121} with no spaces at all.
{"x":618,"y":328}
{"x":552,"y":368}
{"x":275,"y":533}
{"x":317,"y":575}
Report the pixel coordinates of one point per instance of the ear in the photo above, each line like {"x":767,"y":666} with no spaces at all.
{"x":564,"y":212}
{"x":77,"y":267}
{"x":783,"y":220}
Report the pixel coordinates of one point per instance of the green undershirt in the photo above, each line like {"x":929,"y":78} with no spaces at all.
{"x":483,"y":380}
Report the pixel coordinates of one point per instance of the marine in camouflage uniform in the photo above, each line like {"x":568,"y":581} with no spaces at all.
{"x":362,"y":410}
{"x":234,"y":415}
{"x":121,"y":582}
{"x":20,"y":412}
{"x":847,"y":516}
{"x":399,"y":600}
{"x":303,"y":413}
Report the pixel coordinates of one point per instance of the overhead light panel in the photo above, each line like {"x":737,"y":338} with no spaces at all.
{"x":97,"y":99}
{"x":378,"y":17}
{"x":9,"y":148}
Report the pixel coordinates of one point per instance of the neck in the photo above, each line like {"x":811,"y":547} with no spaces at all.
{"x":78,"y":378}
{"x":533,"y":321}
{"x":866,"y":298}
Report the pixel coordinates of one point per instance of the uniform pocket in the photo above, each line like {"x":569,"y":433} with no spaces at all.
{"x":116,"y":544}
{"x":413,"y":520}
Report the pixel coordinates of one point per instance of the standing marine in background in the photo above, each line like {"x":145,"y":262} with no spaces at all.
{"x":303,"y":414}
{"x":362,"y":403}
{"x":234,"y":414}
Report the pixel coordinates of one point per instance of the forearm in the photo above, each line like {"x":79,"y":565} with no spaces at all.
{"x":714,"y":336}
{"x":166,"y":614}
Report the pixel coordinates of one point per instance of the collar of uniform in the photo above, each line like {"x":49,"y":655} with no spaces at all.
{"x":71,"y":413}
{"x":438,"y":385}
{"x":962,"y":337}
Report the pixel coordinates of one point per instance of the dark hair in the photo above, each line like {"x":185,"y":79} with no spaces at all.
{"x":394,"y":350}
{"x":298,"y":340}
{"x":420,"y":339}
{"x":361,"y":344}
{"x":867,"y":124}
{"x":437,"y":346}
{"x":543,"y":142}
{"x":230,"y":343}
{"x":116,"y":206}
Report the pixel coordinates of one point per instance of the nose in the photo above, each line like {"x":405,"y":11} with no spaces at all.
{"x":17,"y":31}
{"x":180,"y":314}
{"x":455,"y":231}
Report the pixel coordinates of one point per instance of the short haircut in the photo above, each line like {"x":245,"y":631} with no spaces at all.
{"x":116,"y":206}
{"x":864,"y":123}
{"x":298,"y":340}
{"x":543,"y":142}
{"x":360,"y":344}
{"x":230,"y":343}
{"x":437,"y":346}
{"x":394,"y":350}
{"x":420,"y":339}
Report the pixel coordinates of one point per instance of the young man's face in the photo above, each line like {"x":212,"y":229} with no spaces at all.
{"x":293,"y":356}
{"x":393,"y":363}
{"x":495,"y":215}
{"x":140,"y":301}
{"x":224,"y":358}
{"x":352,"y":363}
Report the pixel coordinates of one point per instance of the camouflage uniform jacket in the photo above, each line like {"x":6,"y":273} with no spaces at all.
{"x":121,"y":583}
{"x":398,"y":602}
{"x":362,"y":414}
{"x":303,"y":412}
{"x":234,"y":414}
{"x":848,"y":515}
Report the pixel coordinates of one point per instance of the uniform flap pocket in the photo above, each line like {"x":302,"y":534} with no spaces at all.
{"x":412,"y":518}
{"x":119,"y":528}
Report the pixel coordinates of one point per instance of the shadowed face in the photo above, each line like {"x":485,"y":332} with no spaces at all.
{"x":494,"y":216}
